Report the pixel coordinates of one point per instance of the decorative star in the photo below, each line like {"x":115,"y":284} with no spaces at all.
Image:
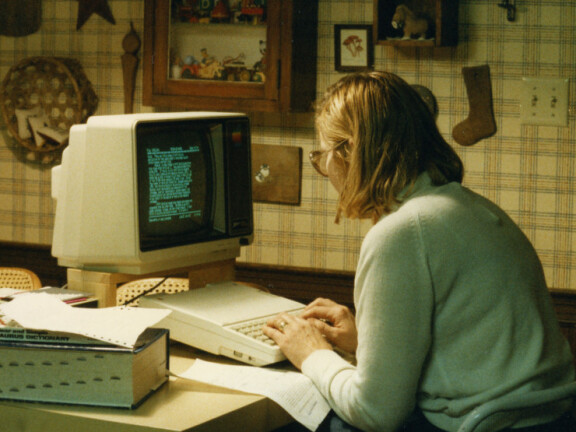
{"x":87,"y":7}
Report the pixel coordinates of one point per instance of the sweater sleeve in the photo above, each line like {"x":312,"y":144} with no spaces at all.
{"x":394,"y":302}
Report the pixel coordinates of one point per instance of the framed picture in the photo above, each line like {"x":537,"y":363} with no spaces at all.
{"x":353,"y":47}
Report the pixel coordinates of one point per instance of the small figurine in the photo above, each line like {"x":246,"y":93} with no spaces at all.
{"x":220,"y":13}
{"x":254,"y":9}
{"x":413,"y":25}
{"x":189,"y":67}
{"x":210,"y":68}
{"x":233,"y":66}
{"x":260,"y":64}
{"x":203,"y":11}
{"x":259,"y":67}
{"x":207,"y":59}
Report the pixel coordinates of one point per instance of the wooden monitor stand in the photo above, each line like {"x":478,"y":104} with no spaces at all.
{"x":103,"y":285}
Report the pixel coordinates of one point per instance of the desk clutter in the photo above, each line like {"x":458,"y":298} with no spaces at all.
{"x":53,"y":352}
{"x":71,"y":297}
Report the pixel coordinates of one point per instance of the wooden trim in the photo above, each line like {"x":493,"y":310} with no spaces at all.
{"x":306,"y":284}
{"x":294,"y":282}
{"x":33,"y":257}
{"x":300,"y":284}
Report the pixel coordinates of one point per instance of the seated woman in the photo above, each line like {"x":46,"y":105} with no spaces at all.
{"x":452,"y":309}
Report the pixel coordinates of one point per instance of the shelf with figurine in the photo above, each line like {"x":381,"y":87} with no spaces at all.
{"x":198,"y":29}
{"x":198,"y":53}
{"x":416,"y":22}
{"x":230,"y":54}
{"x":219,"y":11}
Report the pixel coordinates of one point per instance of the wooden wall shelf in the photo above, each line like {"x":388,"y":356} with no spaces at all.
{"x":181,"y":72}
{"x":427,"y":23}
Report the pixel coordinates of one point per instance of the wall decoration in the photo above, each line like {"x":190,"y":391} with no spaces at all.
{"x":353,"y":47}
{"x":420,"y":23}
{"x":261,"y":61}
{"x":510,"y":6}
{"x":131,"y":45}
{"x":276,"y":174}
{"x":480,"y":122}
{"x":20,"y":18}
{"x":40,"y":99}
{"x":88,"y":7}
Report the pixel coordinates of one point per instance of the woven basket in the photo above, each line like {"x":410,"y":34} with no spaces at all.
{"x":55,"y":87}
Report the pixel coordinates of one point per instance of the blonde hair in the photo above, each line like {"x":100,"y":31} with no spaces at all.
{"x":390,"y":138}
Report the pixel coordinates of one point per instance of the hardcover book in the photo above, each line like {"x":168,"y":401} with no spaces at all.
{"x":62,"y":371}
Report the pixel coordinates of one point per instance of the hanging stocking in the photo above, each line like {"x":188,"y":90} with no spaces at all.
{"x":480,"y":123}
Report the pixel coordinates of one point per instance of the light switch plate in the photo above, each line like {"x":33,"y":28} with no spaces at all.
{"x":544,"y":101}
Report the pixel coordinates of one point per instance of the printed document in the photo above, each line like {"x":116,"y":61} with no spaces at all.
{"x":293,"y":391}
{"x":117,"y":325}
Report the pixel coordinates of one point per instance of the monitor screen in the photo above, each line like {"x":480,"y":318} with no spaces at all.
{"x":142,"y":193}
{"x":175,"y":183}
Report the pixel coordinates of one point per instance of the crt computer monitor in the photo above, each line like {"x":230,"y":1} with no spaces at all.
{"x":144,"y":193}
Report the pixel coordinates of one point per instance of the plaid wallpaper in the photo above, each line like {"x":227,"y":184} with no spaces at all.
{"x":528,"y":170}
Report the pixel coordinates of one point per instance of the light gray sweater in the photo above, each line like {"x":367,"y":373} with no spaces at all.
{"x":452,"y":311}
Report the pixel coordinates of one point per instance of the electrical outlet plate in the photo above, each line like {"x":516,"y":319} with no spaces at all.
{"x":544,"y":101}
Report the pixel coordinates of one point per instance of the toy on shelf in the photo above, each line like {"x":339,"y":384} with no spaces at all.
{"x":416,"y":23}
{"x":229,"y":68}
{"x":219,"y":11}
{"x":414,"y":26}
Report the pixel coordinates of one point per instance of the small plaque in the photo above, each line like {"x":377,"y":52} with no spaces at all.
{"x":276,"y":174}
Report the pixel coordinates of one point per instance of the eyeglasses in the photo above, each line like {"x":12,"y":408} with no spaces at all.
{"x":318,"y":161}
{"x":318,"y":158}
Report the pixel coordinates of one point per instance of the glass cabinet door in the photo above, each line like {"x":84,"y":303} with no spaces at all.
{"x":210,"y":40}
{"x":229,"y":54}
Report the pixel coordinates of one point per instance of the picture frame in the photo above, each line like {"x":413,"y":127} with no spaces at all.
{"x":353,"y":47}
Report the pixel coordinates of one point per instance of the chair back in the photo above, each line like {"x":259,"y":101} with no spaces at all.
{"x":132,"y":289}
{"x":19,"y":278}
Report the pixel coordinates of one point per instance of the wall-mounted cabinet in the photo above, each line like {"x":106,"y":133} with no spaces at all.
{"x":425,"y":23}
{"x":241,"y":55}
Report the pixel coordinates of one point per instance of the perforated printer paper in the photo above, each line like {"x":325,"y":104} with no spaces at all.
{"x":117,"y":325}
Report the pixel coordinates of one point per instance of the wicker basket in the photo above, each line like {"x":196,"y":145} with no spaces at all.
{"x":55,"y":90}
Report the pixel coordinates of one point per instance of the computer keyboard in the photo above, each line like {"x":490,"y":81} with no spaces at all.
{"x":225,"y":319}
{"x":253,"y":329}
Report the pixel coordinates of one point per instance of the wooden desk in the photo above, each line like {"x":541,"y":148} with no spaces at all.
{"x":178,"y":406}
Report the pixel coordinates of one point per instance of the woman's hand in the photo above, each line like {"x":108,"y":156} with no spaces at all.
{"x":296,"y":337}
{"x":336,"y":322}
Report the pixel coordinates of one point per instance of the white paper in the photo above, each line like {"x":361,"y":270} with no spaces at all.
{"x":117,"y":325}
{"x":293,"y":391}
{"x":7,"y":292}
